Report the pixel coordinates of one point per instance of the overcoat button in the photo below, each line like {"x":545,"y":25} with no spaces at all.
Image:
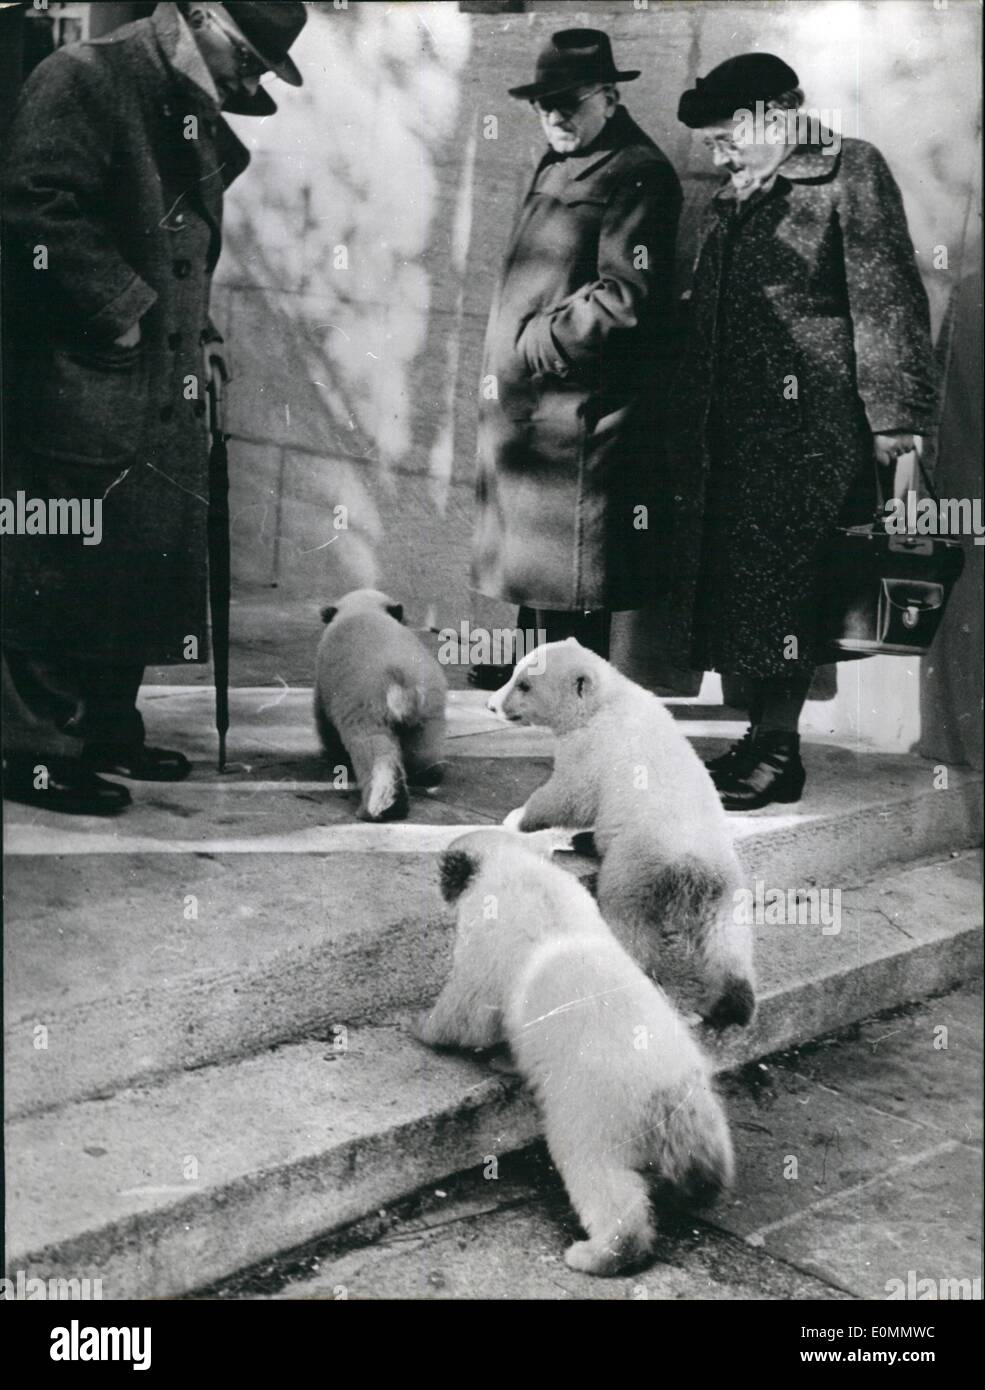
{"x":174,"y":341}
{"x":182,"y":269}
{"x":167,"y":411}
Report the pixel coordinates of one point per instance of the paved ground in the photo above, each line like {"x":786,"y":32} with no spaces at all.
{"x":859,"y":1165}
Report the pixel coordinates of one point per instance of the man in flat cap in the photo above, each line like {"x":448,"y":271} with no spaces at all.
{"x":575,"y":358}
{"x":112,"y":188}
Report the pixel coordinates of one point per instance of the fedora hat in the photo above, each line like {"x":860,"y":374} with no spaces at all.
{"x":268,"y":29}
{"x":573,"y":58}
{"x":735,"y":85}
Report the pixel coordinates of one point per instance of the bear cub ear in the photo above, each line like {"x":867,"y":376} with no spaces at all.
{"x":457,"y":871}
{"x":329,"y":612}
{"x":396,"y":610}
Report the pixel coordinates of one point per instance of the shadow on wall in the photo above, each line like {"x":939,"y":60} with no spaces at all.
{"x":339,"y":291}
{"x":364,"y":243}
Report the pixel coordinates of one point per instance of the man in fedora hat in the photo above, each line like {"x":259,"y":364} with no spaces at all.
{"x":575,"y":350}
{"x":113,"y":187}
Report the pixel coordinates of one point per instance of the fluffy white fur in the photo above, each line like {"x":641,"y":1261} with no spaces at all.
{"x":624,"y":1089}
{"x":379,"y":701}
{"x":623,"y":768}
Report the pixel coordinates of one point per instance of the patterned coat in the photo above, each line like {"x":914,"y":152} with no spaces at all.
{"x":575,"y":353}
{"x":808,"y":332}
{"x":99,"y":172}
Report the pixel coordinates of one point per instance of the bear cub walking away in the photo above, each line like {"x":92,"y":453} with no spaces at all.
{"x":379,"y":701}
{"x":623,"y":769}
{"x":625,"y":1091}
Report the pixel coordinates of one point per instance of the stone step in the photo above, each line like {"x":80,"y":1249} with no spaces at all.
{"x":223,"y":916}
{"x":164,"y":1188}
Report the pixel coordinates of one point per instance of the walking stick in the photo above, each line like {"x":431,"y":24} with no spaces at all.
{"x":218,"y":542}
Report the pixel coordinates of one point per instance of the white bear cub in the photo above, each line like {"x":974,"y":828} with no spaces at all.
{"x":625,"y":1091}
{"x":379,"y":701}
{"x":623,"y":768}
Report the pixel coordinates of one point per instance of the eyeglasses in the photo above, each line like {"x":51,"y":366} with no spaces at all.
{"x":564,"y":105}
{"x":723,"y":143}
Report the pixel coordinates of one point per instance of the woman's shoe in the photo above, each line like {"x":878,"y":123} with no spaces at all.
{"x":772,"y":771}
{"x":735,"y":761}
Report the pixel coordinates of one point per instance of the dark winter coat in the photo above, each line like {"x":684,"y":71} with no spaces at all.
{"x":808,"y":332}
{"x":572,"y":380}
{"x":98,"y":172}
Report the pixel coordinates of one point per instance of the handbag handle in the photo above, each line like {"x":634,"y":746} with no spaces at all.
{"x":908,"y":472}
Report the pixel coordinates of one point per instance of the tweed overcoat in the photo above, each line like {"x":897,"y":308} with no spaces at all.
{"x":808,"y":332}
{"x":99,"y":173}
{"x":572,"y":380}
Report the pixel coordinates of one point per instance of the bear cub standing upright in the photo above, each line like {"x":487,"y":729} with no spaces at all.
{"x":624,"y":1089}
{"x":379,"y":701}
{"x":624,"y":769}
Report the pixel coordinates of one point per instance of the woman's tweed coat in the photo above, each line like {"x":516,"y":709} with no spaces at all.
{"x":808,"y":332}
{"x":572,"y":384}
{"x":99,"y":172}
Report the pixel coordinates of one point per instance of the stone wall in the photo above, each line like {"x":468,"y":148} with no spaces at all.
{"x":363,"y":245}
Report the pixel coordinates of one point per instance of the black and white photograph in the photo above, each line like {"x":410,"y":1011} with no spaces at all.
{"x":492,"y":660}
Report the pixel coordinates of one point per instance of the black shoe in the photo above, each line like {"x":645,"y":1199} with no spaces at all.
{"x":735,"y":761}
{"x":490,"y":677}
{"x":72,"y":787}
{"x":143,"y":763}
{"x":776,"y":775}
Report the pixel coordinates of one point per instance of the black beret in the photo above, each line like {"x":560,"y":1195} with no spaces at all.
{"x":735,"y":85}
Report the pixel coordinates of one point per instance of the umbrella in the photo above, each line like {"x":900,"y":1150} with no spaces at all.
{"x":218,"y":539}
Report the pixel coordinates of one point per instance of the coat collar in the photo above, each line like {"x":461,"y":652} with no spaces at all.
{"x":171,"y":51}
{"x":619,"y":131}
{"x":809,"y":163}
{"x":181,"y":52}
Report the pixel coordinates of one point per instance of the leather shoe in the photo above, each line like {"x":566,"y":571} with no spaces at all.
{"x":772,"y":772}
{"x":143,"y":763}
{"x":71,"y":787}
{"x":735,"y":761}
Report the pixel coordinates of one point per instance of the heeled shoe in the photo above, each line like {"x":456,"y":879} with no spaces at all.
{"x":735,"y":761}
{"x":776,"y":773}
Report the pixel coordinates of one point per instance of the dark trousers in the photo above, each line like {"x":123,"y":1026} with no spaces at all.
{"x":590,"y":629}
{"x":54,"y":707}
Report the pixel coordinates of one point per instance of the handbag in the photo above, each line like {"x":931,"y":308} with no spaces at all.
{"x":885,"y":594}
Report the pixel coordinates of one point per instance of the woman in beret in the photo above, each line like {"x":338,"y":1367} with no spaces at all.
{"x":807,"y":362}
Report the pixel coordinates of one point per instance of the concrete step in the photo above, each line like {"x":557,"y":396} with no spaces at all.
{"x":221,"y":916}
{"x":164,"y":1188}
{"x":886,"y":1128}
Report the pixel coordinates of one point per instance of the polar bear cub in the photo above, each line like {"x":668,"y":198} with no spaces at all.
{"x":623,"y":768}
{"x":379,"y":701}
{"x":624,"y":1089}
